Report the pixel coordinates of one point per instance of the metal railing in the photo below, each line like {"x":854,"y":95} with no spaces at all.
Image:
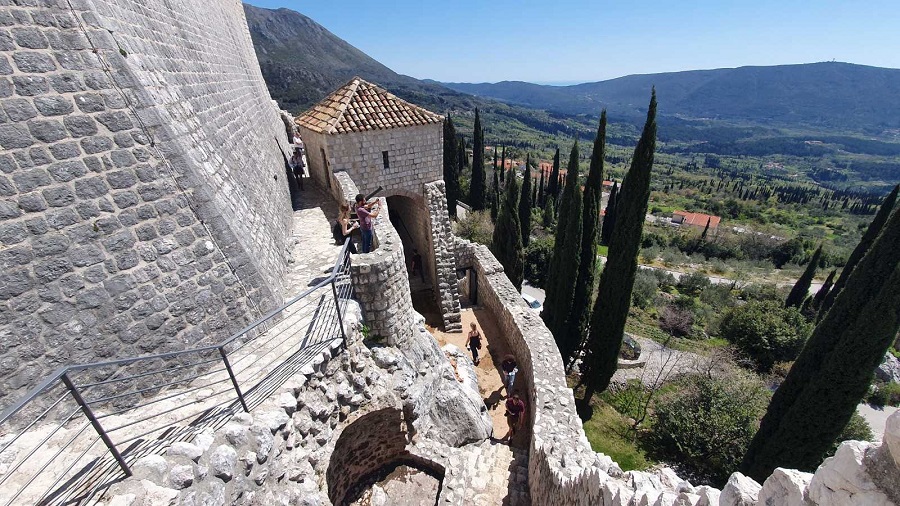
{"x":83,"y":427}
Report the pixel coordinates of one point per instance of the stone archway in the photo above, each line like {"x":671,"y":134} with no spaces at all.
{"x":368,"y":450}
{"x":411,"y":220}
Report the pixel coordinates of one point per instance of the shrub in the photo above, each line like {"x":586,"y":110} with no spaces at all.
{"x":885,"y":394}
{"x":537,"y":260}
{"x":692,"y":284}
{"x":857,"y":429}
{"x":476,"y":227}
{"x":766,"y":332}
{"x":707,"y":425}
{"x":645,"y":286}
{"x":718,"y":296}
{"x":677,"y":321}
{"x":763,"y":291}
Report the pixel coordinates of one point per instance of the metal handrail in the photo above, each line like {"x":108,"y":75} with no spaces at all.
{"x":317,"y":316}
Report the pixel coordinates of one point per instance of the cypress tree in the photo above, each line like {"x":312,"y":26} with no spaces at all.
{"x":451,"y":166}
{"x":525,"y":203}
{"x":533,"y":193}
{"x":834,"y":370}
{"x":553,"y":181}
{"x":477,"y":196}
{"x":617,"y":280}
{"x":463,"y":156}
{"x":563,"y":272}
{"x":507,"y":238}
{"x":541,"y":191}
{"x":823,"y":291}
{"x":548,"y":215}
{"x":609,"y":218}
{"x":867,"y":239}
{"x":706,"y":228}
{"x":495,"y":198}
{"x":801,"y":287}
{"x":590,"y":230}
{"x":503,"y":165}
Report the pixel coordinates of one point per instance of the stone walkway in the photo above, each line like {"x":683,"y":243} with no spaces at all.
{"x":313,"y":249}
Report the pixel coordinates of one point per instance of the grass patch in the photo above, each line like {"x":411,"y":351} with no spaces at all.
{"x":603,"y":250}
{"x":608,"y":432}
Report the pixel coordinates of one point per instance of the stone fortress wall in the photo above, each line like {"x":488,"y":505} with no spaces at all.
{"x":143,"y":200}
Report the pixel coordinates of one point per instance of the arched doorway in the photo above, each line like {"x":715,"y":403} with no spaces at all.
{"x":410,"y":217}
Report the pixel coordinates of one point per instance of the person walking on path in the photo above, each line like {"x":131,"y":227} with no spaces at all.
{"x":515,"y":415}
{"x":416,"y":265}
{"x":509,"y":367}
{"x":473,"y":342}
{"x":366,"y":214}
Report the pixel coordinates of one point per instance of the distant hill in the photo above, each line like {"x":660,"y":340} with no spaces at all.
{"x":822,"y":95}
{"x":302,"y":62}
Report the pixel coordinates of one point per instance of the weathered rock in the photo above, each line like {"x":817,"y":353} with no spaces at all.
{"x":786,"y":487}
{"x":842,"y":479}
{"x":153,"y":468}
{"x":222,"y":462}
{"x":187,"y":450}
{"x":889,"y":369}
{"x":155,"y":495}
{"x":740,"y":491}
{"x":181,"y":476}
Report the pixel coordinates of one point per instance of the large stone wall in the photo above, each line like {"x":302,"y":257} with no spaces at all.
{"x":143,"y":206}
{"x":564,"y":470}
{"x":444,"y":247}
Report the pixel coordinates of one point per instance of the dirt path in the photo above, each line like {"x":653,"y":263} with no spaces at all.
{"x":490,"y":379}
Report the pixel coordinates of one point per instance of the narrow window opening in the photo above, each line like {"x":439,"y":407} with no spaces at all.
{"x":387,"y":161}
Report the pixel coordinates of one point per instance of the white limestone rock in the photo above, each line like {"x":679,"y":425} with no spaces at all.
{"x":740,"y":491}
{"x":842,"y":479}
{"x":186,"y":450}
{"x":787,"y":487}
{"x":892,"y":437}
{"x":889,"y":369}
{"x":222,"y":462}
{"x":155,"y":495}
{"x":181,"y":476}
{"x":152,"y":468}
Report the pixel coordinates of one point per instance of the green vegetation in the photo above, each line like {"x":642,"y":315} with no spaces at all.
{"x":525,"y":203}
{"x":765,"y":332}
{"x":477,"y":194}
{"x":610,"y":433}
{"x":801,"y":288}
{"x":834,"y":370}
{"x":564,"y":266}
{"x":507,"y":238}
{"x":617,"y":279}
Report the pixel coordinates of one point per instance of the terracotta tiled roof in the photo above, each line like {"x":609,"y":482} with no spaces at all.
{"x":697,"y":219}
{"x":359,"y":106}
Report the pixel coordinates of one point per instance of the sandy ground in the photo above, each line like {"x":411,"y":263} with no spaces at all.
{"x":490,"y":379}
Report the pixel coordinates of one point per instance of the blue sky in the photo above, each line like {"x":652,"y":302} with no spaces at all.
{"x":581,"y":40}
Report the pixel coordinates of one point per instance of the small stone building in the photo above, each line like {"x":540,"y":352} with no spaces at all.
{"x":377,"y":139}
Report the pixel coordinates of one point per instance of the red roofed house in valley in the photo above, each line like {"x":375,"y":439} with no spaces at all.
{"x":698,"y":220}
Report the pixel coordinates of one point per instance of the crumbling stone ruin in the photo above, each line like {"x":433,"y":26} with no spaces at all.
{"x":144,"y":208}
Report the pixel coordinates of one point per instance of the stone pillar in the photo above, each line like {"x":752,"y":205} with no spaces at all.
{"x":444,"y":246}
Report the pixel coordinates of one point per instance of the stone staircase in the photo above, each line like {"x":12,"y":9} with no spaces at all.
{"x":487,"y":474}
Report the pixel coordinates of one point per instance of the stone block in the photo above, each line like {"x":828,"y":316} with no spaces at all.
{"x":29,"y":86}
{"x":53,"y":105}
{"x":33,"y":63}
{"x":19,"y":109}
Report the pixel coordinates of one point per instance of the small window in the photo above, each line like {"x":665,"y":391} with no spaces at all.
{"x":387,"y":161}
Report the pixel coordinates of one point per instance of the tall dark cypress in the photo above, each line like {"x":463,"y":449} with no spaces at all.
{"x":801,"y":287}
{"x":590,"y":230}
{"x":553,"y":181}
{"x":477,"y":194}
{"x":548,"y":215}
{"x":614,"y":292}
{"x":834,"y":370}
{"x":609,"y":218}
{"x":823,"y":291}
{"x":534,"y":196}
{"x":540,"y":201}
{"x":563,"y":272}
{"x":887,"y":206}
{"x":503,"y":166}
{"x":525,"y":202}
{"x":463,"y":156}
{"x":451,"y":166}
{"x":494,"y":195}
{"x":506,"y":243}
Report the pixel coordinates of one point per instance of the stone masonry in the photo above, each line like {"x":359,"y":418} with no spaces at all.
{"x":143,"y":206}
{"x":444,"y":245}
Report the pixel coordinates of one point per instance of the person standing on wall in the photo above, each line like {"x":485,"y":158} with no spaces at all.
{"x":473,"y":342}
{"x":365,"y":213}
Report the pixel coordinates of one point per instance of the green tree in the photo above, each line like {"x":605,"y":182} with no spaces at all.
{"x":525,"y":203}
{"x":801,"y":287}
{"x":553,"y":181}
{"x":614,"y":292}
{"x":540,"y":201}
{"x":461,"y":153}
{"x":834,"y":370}
{"x":451,"y":166}
{"x":823,"y":292}
{"x":494,"y":195}
{"x":590,"y":230}
{"x":563,"y":273}
{"x":477,"y":196}
{"x":538,"y":255}
{"x":503,"y":166}
{"x":609,"y":218}
{"x":887,"y":206}
{"x":766,"y":332}
{"x":507,"y":241}
{"x":548,"y":215}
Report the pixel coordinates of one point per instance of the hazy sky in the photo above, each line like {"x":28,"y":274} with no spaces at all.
{"x":583,"y":40}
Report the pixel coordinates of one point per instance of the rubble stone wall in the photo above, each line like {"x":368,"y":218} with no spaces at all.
{"x":444,"y":262}
{"x":143,"y":206}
